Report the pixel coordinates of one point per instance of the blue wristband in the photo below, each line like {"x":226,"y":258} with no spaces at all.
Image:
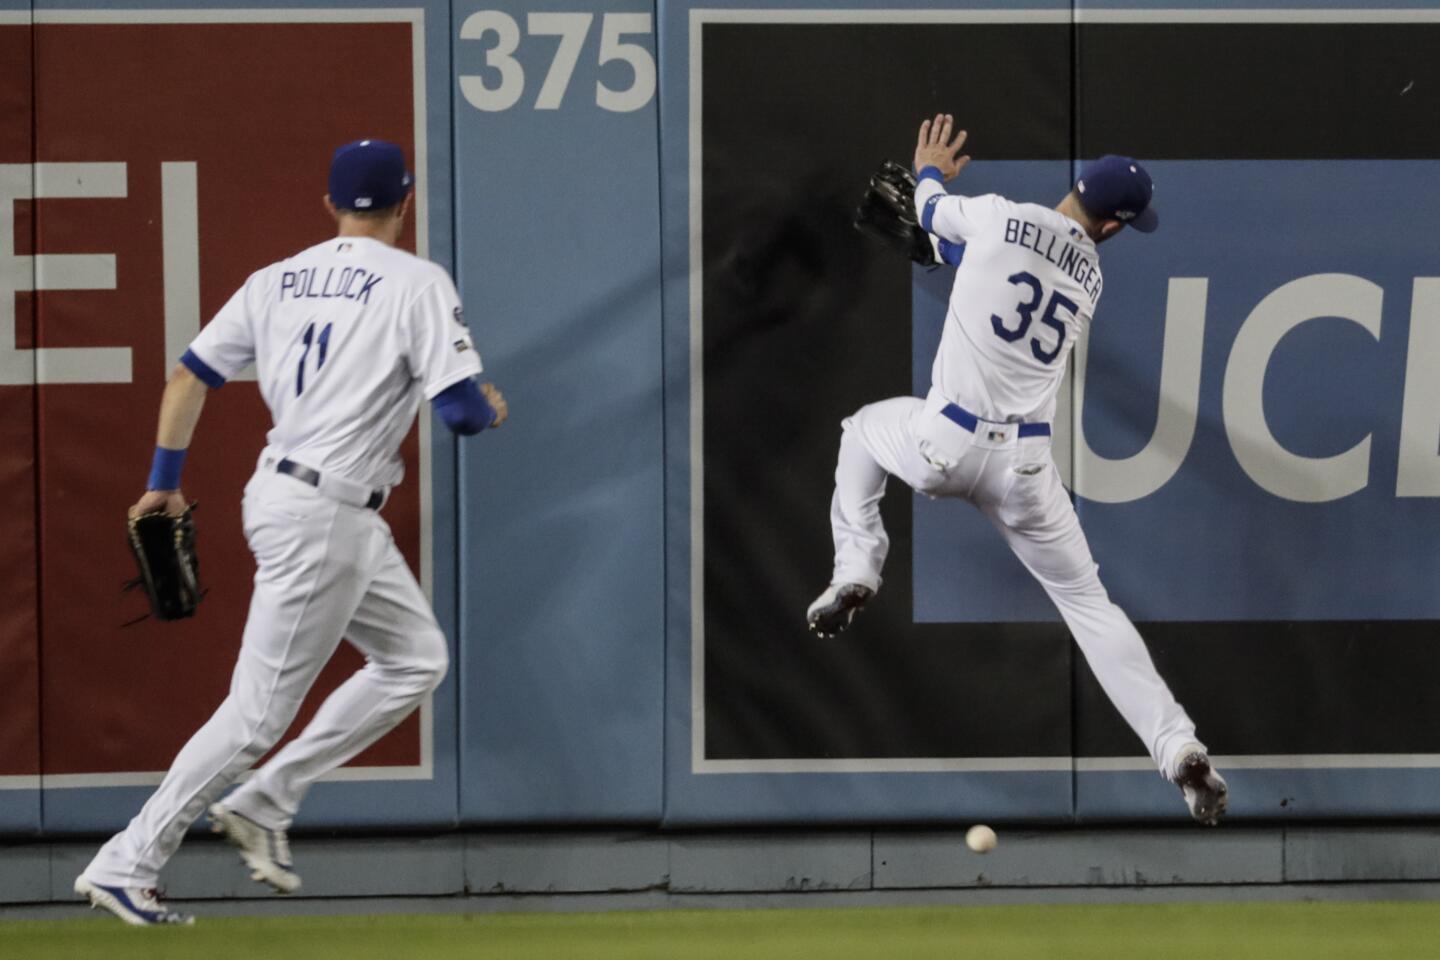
{"x":932,"y":172}
{"x":951,"y":253}
{"x":165,"y":469}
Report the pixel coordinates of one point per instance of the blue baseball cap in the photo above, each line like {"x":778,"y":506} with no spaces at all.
{"x":1118,"y":188}
{"x":368,"y":175}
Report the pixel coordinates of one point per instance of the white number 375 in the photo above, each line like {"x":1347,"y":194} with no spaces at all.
{"x":571,"y":28}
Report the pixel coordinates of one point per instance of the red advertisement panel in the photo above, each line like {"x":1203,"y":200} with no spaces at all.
{"x":19,"y":633}
{"x":189,"y":154}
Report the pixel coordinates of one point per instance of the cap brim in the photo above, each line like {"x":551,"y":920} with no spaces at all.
{"x":1147,"y":220}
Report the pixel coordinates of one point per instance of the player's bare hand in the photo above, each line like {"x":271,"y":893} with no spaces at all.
{"x":496,"y":400}
{"x":171,"y":502}
{"x":939,"y":146}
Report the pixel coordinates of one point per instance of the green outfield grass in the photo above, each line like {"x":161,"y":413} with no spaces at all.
{"x":1264,"y":931}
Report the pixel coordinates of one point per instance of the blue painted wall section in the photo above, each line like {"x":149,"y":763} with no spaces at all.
{"x":558,"y":230}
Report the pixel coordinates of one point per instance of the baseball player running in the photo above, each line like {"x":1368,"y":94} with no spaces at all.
{"x":347,"y":337}
{"x":1025,"y":291}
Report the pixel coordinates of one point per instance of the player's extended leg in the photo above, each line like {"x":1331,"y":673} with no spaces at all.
{"x":305,"y":591}
{"x":876,"y":443}
{"x":406,"y":658}
{"x":1040,"y":525}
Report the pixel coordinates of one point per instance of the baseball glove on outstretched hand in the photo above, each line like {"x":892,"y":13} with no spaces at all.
{"x":164,"y":548}
{"x":888,"y":214}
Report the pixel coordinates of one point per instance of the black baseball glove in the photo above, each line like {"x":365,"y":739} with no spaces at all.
{"x":164,"y":548}
{"x":888,"y":214}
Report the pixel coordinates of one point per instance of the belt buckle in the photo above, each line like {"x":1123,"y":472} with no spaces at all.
{"x":998,"y":433}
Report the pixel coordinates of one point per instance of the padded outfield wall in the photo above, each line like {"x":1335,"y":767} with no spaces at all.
{"x":646,"y":209}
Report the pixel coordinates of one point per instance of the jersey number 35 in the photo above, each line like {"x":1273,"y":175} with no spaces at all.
{"x":1026,"y":310}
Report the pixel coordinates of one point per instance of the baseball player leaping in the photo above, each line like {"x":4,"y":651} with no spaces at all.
{"x":347,"y":337}
{"x":1026,"y":289}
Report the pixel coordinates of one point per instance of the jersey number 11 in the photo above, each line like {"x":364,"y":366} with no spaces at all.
{"x":320,"y":359}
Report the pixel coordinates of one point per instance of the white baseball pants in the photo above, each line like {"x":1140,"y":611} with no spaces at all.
{"x":325,"y":570}
{"x":1014,"y":482}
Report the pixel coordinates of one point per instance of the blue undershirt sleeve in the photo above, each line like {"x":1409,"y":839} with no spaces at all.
{"x":207,"y":374}
{"x":464,"y":408}
{"x":951,"y":253}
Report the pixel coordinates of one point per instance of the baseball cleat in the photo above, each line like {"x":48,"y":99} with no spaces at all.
{"x":1204,"y":789}
{"x":136,"y":906}
{"x":833,"y":610}
{"x":266,"y":852}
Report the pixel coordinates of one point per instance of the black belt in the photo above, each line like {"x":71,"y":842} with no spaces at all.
{"x":308,"y":475}
{"x":969,"y":421}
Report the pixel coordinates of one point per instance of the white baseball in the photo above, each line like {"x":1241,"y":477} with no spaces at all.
{"x":981,"y":838}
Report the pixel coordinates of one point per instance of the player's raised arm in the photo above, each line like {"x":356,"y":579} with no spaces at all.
{"x":938,"y":159}
{"x":937,"y":147}
{"x":887,"y":214}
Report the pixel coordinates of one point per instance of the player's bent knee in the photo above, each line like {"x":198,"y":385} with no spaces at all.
{"x":854,"y":426}
{"x":853,"y":447}
{"x":435,"y":670}
{"x":930,"y":483}
{"x":430,"y":662}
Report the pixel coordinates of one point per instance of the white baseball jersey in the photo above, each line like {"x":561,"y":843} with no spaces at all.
{"x":346,"y":338}
{"x":1024,"y":292}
